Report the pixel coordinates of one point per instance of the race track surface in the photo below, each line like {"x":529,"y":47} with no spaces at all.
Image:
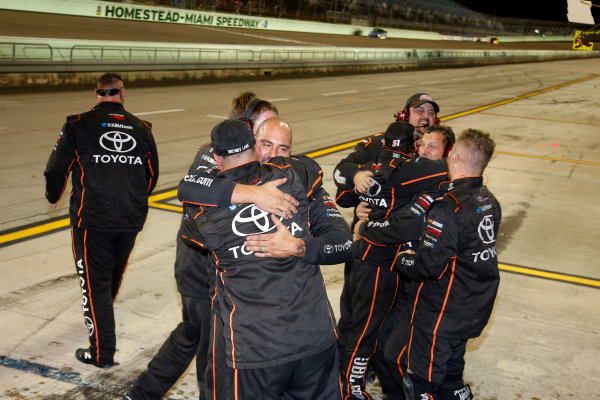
{"x":29,"y":24}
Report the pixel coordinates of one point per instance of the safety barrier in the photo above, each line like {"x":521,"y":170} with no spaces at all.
{"x":40,"y":55}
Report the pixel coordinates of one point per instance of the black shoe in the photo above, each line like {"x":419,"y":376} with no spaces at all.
{"x":85,"y":357}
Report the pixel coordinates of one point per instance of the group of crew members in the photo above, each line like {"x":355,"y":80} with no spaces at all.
{"x":421,"y":271}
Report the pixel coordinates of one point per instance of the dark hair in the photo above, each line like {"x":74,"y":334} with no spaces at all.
{"x":239,"y":106}
{"x":109,"y":78}
{"x":479,"y":145}
{"x":446,"y":131}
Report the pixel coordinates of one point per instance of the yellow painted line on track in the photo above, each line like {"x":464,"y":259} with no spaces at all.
{"x":550,"y":275}
{"x":548,"y":158}
{"x":517,"y":98}
{"x":166,"y":207}
{"x":560,"y":121}
{"x":36,"y":230}
{"x":333,"y":149}
{"x":162,"y":196}
{"x":62,"y":223}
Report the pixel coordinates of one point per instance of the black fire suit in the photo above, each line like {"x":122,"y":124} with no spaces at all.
{"x":458,"y":267}
{"x":275,"y":312}
{"x":372,"y":286}
{"x":191,"y":336}
{"x":364,"y":153}
{"x":114,"y":164}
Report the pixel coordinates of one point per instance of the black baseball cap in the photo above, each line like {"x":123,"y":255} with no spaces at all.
{"x":399,"y":134}
{"x":231,"y":137}
{"x":419,"y":99}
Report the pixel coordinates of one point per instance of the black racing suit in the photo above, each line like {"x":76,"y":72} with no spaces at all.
{"x":364,"y":153}
{"x":114,"y":163}
{"x":457,"y":264}
{"x":371,"y":287}
{"x":191,"y":336}
{"x":197,"y":190}
{"x":275,"y":312}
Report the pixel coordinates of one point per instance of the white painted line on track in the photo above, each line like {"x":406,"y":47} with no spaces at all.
{"x":281,"y":99}
{"x":216,"y":116}
{"x":391,"y":87}
{"x":160,"y":111}
{"x":336,"y":93}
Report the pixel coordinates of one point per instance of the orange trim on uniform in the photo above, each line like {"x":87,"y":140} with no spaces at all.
{"x":204,"y":145}
{"x":398,"y":361}
{"x":315,"y":183}
{"x":412,"y":329}
{"x":456,"y":200}
{"x":192,"y":240}
{"x":82,"y":189}
{"x":231,"y":332}
{"x":343,"y":192}
{"x":122,"y":273}
{"x":235,"y":383}
{"x":423,"y":178}
{"x":387,"y":214}
{"x":151,"y":172}
{"x":278,"y":166}
{"x":66,"y":180}
{"x":366,"y":252}
{"x":415,"y":302}
{"x":332,"y":319}
{"x":349,"y":367}
{"x":199,"y":212}
{"x":227,"y":169}
{"x":214,"y":318}
{"x":395,"y":258}
{"x":200,"y":204}
{"x":375,"y":244}
{"x":87,"y":277}
{"x":440,"y":316}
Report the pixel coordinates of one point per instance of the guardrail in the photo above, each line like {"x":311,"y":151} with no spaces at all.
{"x":31,"y":56}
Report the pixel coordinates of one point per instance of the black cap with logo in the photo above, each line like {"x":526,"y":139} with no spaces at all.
{"x":232,"y":137}
{"x":399,"y":134}
{"x":418,"y":99}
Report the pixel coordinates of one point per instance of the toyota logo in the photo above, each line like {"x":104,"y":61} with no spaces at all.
{"x":374,"y":188}
{"x":486,"y":229}
{"x":90,"y":325}
{"x":328,"y":249}
{"x":117,"y":142}
{"x":253,"y":214}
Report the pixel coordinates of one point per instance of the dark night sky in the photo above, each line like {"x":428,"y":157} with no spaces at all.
{"x":546,"y":10}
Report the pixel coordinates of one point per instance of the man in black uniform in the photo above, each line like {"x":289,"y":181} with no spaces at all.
{"x":371,"y":285}
{"x":191,"y":336}
{"x":113,"y":158}
{"x":278,"y":325}
{"x":403,"y":224}
{"x":457,"y":264}
{"x":353,"y":170}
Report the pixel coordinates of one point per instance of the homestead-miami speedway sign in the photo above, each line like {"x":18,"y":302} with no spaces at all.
{"x":156,"y":14}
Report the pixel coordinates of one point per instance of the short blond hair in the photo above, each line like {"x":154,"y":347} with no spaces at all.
{"x":479,"y":147}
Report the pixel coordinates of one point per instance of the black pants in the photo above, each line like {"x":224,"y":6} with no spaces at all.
{"x":392,"y":343}
{"x":100,"y":260}
{"x":312,"y":378}
{"x":367,"y":297}
{"x":188,"y":340}
{"x":219,"y":378}
{"x":435,"y":359}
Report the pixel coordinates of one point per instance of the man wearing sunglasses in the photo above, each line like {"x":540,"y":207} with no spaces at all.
{"x":112,"y":156}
